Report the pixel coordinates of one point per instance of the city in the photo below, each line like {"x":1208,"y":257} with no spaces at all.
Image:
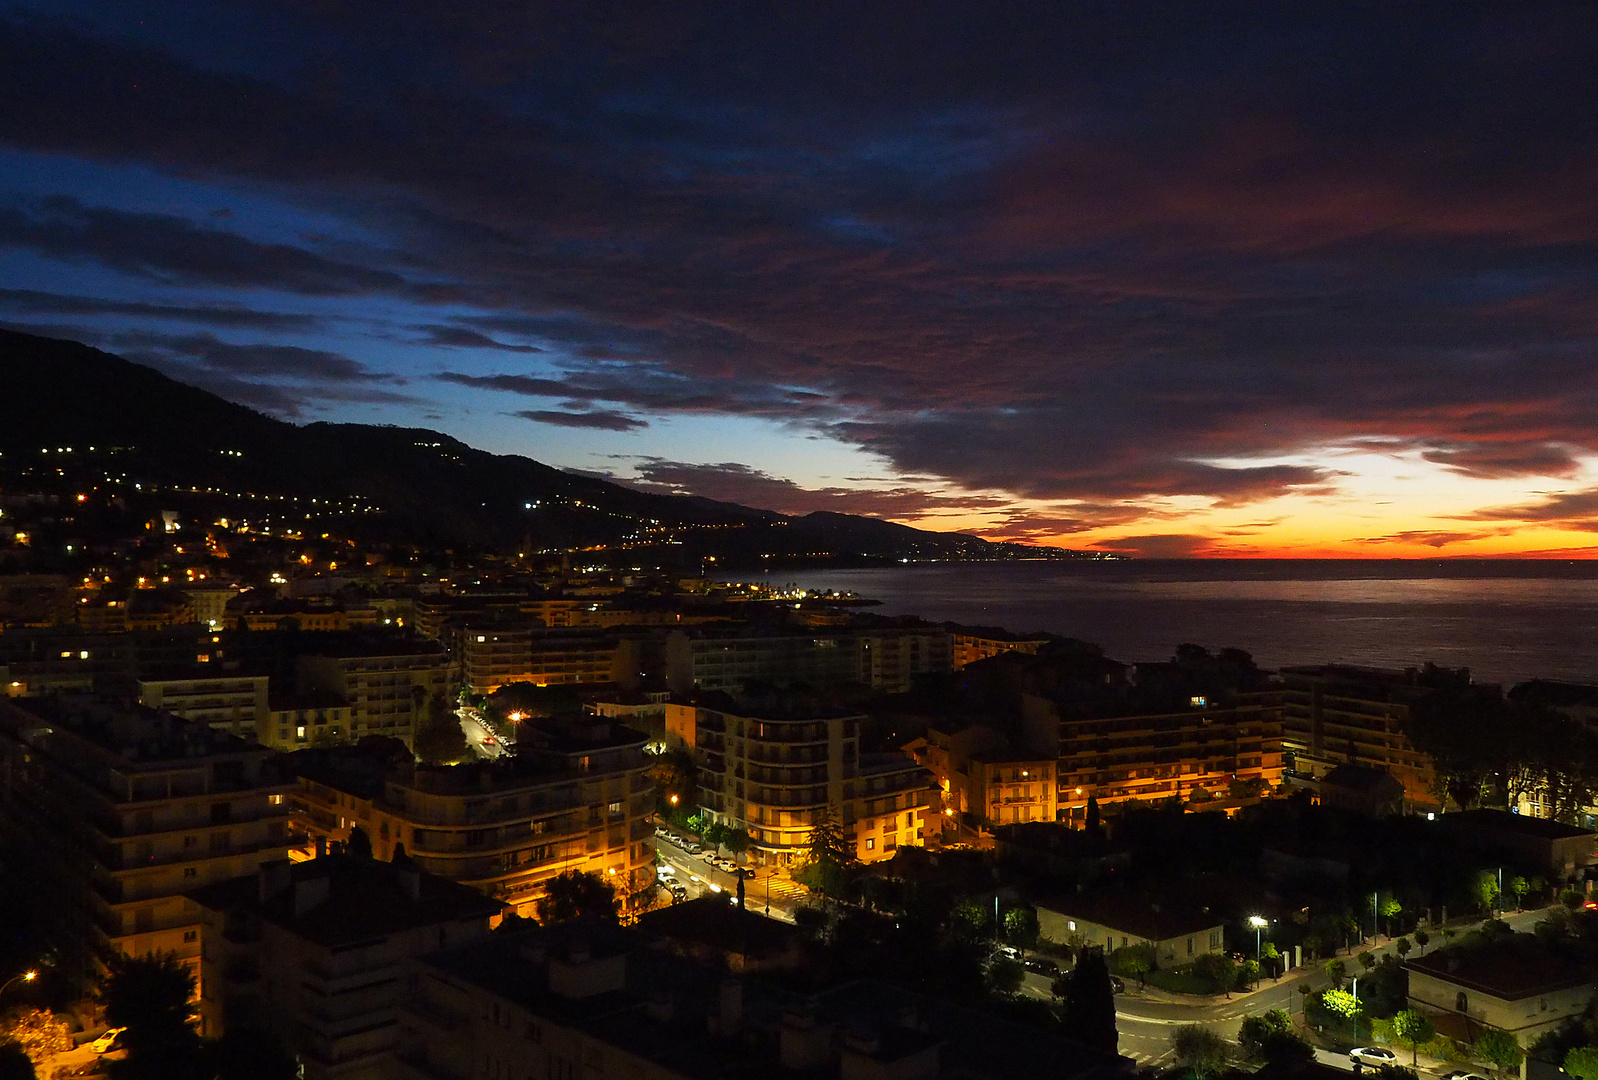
{"x":634,"y":540}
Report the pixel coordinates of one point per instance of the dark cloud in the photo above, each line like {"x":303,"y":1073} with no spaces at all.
{"x":460,"y":337}
{"x":1437,"y":538}
{"x":1567,"y":508}
{"x":282,"y":361}
{"x":215,"y":315}
{"x":734,"y":482}
{"x":172,"y":249}
{"x":599,"y":419}
{"x":1162,"y":546}
{"x":1078,"y":252}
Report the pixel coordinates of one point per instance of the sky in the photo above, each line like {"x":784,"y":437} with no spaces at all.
{"x":1160,"y":279}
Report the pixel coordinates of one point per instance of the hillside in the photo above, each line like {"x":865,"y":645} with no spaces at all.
{"x":427,"y":487}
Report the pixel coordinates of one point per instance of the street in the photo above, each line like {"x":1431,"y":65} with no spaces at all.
{"x":764,"y":894}
{"x":478,"y":736}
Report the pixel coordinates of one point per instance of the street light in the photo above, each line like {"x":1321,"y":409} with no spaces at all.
{"x":26,"y":976}
{"x":1258,"y":922}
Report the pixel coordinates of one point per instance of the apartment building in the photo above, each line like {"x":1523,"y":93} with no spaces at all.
{"x":1334,"y":715}
{"x":968,"y":644}
{"x":495,"y":655}
{"x":575,"y":797}
{"x":113,"y":811}
{"x":314,"y":955}
{"x":387,"y":679}
{"x":1193,"y":755}
{"x":774,"y":771}
{"x":883,"y":658}
{"x":294,"y":722}
{"x":985,"y":780}
{"x":227,"y":701}
{"x":557,"y":1003}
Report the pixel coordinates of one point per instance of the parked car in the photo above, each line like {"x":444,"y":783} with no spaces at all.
{"x":1041,"y":966}
{"x":1372,"y":1056}
{"x":745,"y":872}
{"x":1461,"y":1074}
{"x":1116,"y":985}
{"x":106,"y":1041}
{"x":692,"y":849}
{"x":1009,"y":952}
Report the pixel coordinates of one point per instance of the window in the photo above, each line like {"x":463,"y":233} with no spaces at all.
{"x":191,"y":841}
{"x":1462,"y":1003}
{"x":1190,"y":946}
{"x":274,"y":800}
{"x":1215,"y":939}
{"x":191,"y":871}
{"x":190,"y":936}
{"x":871,"y":843}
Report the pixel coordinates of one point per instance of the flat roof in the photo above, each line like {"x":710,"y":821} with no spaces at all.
{"x":1524,"y":824}
{"x":1511,"y":968}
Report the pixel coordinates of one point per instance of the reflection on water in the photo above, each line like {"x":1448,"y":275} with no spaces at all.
{"x":1506,"y":621}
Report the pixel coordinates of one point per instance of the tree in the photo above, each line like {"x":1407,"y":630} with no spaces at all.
{"x":1005,"y":976}
{"x":713,"y":834}
{"x":1218,"y":969}
{"x":1136,"y":960}
{"x":1485,"y":890}
{"x":359,"y":845}
{"x":1422,"y":938}
{"x":1089,"y":1003}
{"x":1342,"y":1003}
{"x":1390,"y":909}
{"x":1272,"y":956}
{"x":1336,"y":971}
{"x":15,"y":1064}
{"x":1248,"y":973}
{"x":439,"y":738}
{"x":1021,"y":927}
{"x":1403,"y":946}
{"x":1269,"y":1039}
{"x":1366,"y":961}
{"x":735,"y":840}
{"x":831,"y":857}
{"x":578,"y":895}
{"x":1095,"y":823}
{"x":37,"y":1031}
{"x":1517,"y":889}
{"x":1199,"y":1050}
{"x":1414,"y":1028}
{"x":152,"y":996}
{"x":1581,"y":1063}
{"x":1498,"y":1048}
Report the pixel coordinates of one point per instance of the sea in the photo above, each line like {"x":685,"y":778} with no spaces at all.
{"x":1506,"y":620}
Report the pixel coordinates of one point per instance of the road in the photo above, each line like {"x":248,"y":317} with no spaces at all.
{"x":478,"y":736}
{"x":1146,"y":1024}
{"x":761,"y":894}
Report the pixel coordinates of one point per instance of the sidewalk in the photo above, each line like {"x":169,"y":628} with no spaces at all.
{"x":1168,"y":997}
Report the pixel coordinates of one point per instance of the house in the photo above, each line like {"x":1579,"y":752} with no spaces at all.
{"x":1179,"y":933}
{"x":1515,"y":983}
{"x":1560,"y":848}
{"x":1360,"y":789}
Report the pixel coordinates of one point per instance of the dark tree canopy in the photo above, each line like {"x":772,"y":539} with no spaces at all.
{"x":1089,"y":1005}
{"x":578,"y":895}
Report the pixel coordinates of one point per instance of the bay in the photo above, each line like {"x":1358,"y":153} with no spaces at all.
{"x":1506,"y":620}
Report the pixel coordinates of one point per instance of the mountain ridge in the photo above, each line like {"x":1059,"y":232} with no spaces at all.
{"x":431,"y":487}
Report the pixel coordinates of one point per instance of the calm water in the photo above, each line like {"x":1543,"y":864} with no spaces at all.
{"x":1505,"y":620}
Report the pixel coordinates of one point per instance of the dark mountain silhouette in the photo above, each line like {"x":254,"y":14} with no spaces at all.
{"x":430,"y":487}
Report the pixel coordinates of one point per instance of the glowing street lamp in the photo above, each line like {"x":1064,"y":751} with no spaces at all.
{"x":1258,"y":923}
{"x":26,"y":976}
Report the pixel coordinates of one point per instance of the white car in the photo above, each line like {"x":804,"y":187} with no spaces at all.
{"x":1372,"y":1056}
{"x":106,"y":1041}
{"x":1461,"y":1074}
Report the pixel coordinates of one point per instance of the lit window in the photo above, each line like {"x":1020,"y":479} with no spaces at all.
{"x":275,"y":800}
{"x":871,"y":843}
{"x":84,"y":655}
{"x":299,"y":733}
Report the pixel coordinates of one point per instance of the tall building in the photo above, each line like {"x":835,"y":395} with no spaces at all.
{"x":313,"y":955}
{"x":775,"y":770}
{"x":495,"y":655}
{"x":113,"y":811}
{"x":973,"y":643}
{"x":227,"y":701}
{"x":1334,"y":715}
{"x":386,"y":679}
{"x":575,"y":797}
{"x":1190,"y":755}
{"x":883,"y":658}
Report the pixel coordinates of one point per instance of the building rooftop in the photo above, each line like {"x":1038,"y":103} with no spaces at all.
{"x":135,"y":733}
{"x":341,"y":900}
{"x":349,"y":644}
{"x":1510,"y":968}
{"x":713,"y":922}
{"x":658,"y":1011}
{"x":1522,"y":824}
{"x":1360,"y":778}
{"x":1137,"y":916}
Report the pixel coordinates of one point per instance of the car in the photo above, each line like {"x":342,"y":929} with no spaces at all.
{"x":708,"y":856}
{"x":746,"y":872}
{"x":1116,"y":985}
{"x":692,"y":848}
{"x":106,"y":1041}
{"x":1041,"y":966}
{"x":1372,"y":1056}
{"x":1009,"y":952}
{"x":1461,"y":1074}
{"x":726,"y":864}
